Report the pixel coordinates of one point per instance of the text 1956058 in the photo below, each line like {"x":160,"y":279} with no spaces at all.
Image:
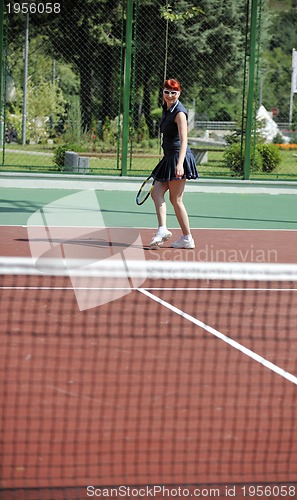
{"x":34,"y":8}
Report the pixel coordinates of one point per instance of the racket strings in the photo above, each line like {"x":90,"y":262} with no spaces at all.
{"x":145,"y":191}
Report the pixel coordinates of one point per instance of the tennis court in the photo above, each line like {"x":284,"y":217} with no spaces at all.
{"x":185,"y":379}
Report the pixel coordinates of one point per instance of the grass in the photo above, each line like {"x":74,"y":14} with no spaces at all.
{"x":30,"y":161}
{"x":26,"y":161}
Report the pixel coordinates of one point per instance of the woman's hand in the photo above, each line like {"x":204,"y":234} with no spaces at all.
{"x":179,"y":171}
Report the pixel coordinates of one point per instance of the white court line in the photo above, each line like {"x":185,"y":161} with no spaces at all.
{"x":177,"y":227}
{"x":221,"y":336}
{"x":64,"y":288}
{"x":219,"y":289}
{"x":267,"y":364}
{"x":275,"y":229}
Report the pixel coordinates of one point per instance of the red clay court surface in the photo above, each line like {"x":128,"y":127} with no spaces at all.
{"x":132,"y":393}
{"x":275,"y":246}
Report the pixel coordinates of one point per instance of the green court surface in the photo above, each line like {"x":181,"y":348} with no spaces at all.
{"x":238,"y":210}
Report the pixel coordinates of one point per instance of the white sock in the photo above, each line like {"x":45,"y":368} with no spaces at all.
{"x":187,"y":237}
{"x":162,"y":229}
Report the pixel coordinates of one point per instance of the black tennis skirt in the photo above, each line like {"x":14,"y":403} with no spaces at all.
{"x":166,"y":168}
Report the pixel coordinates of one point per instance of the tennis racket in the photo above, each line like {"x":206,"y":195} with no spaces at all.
{"x":145,"y":190}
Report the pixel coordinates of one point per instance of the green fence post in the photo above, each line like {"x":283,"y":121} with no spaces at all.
{"x":251,"y":90}
{"x":1,"y":76}
{"x":127,"y":83}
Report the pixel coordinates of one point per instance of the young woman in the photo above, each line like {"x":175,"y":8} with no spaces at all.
{"x":177,"y":165}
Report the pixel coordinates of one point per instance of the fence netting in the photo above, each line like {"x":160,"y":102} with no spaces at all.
{"x":67,"y":65}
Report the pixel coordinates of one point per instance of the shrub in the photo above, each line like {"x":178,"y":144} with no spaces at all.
{"x":110,"y":131}
{"x":278,"y":138}
{"x":234,"y":137}
{"x":265,"y":158}
{"x":235,"y":160}
{"x":59,"y":155}
{"x":270,"y":156}
{"x":293,"y":139}
{"x":156,"y":114}
{"x":142,"y":131}
{"x":107,"y":133}
{"x":14,"y":121}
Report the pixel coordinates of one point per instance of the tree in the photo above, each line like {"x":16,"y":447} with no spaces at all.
{"x":283,"y":31}
{"x":50,"y":85}
{"x":45,"y":102}
{"x":277,"y":61}
{"x":205,"y":51}
{"x":87,"y":35}
{"x":89,"y":38}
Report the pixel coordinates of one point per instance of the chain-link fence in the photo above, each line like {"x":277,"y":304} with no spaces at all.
{"x":82,"y":81}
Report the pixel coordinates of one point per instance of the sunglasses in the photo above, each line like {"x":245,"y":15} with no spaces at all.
{"x":170,"y":92}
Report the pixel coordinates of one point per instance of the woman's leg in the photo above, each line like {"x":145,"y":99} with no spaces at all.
{"x":176,"y":191}
{"x":158,"y":193}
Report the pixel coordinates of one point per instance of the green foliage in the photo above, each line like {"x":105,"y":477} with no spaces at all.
{"x":234,"y":137}
{"x":276,"y":80}
{"x":283,"y":30}
{"x":90,"y":39}
{"x":142,"y":131}
{"x":108,"y":132}
{"x":44,"y":101}
{"x":59,"y":155}
{"x":74,"y":62}
{"x":156,"y":114}
{"x":277,"y":60}
{"x":15,"y":121}
{"x":181,"y":14}
{"x":278,"y":139}
{"x":73,"y":121}
{"x":47,"y":93}
{"x":293,"y":139}
{"x":265,"y":158}
{"x":234,"y":159}
{"x":271,"y":156}
{"x":223,"y":115}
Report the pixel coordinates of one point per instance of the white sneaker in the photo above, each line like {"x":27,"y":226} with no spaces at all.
{"x":159,"y":238}
{"x":184,"y":242}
